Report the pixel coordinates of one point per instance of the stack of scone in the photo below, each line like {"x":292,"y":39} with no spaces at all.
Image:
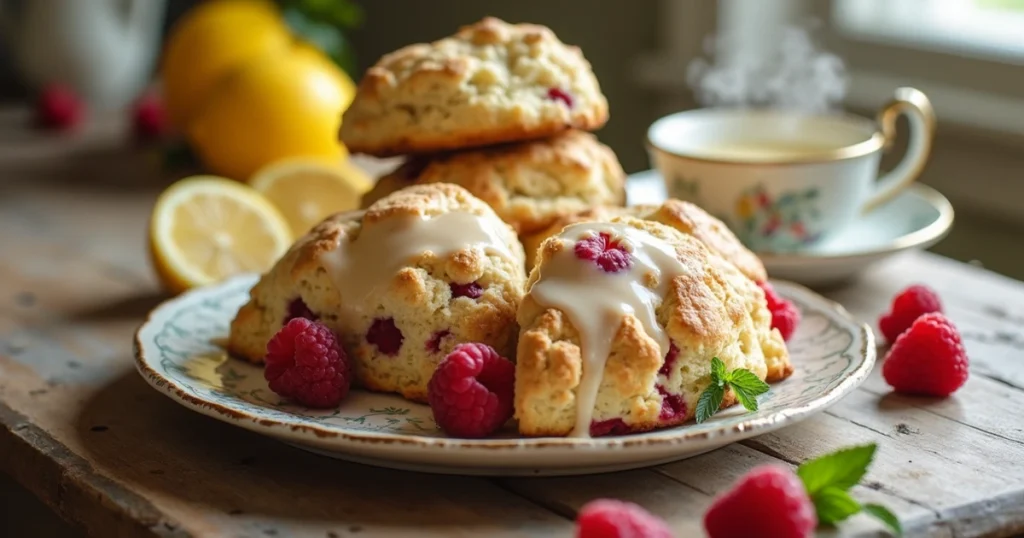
{"x":502,"y":110}
{"x":624,"y":309}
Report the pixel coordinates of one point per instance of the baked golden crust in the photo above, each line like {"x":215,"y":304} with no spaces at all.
{"x":706,"y":312}
{"x":529,"y":185}
{"x":680,"y":215}
{"x":418,"y":297}
{"x":487,"y":84}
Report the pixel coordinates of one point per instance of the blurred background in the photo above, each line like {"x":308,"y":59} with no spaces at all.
{"x":659,"y":56}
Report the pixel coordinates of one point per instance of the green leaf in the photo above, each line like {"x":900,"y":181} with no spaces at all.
{"x":834,"y":505}
{"x":709,"y":402}
{"x":747,"y":400}
{"x":885,"y":516}
{"x":841,"y":469}
{"x":746,"y":380}
{"x":719,"y":375}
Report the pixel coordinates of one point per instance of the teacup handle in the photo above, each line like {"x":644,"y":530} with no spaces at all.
{"x":919,"y":111}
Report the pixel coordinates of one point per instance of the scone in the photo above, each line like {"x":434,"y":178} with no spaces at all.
{"x":637,"y":355}
{"x":529,"y":184}
{"x":401,"y":283}
{"x":683,"y":216}
{"x":490,"y":83}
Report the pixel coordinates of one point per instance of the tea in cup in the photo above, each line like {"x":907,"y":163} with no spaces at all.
{"x":783,"y":180}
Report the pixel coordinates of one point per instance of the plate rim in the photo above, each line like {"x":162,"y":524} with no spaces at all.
{"x":665,"y":438}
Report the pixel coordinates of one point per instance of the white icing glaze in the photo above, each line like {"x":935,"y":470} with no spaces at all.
{"x":361,"y":268}
{"x":596,"y":301}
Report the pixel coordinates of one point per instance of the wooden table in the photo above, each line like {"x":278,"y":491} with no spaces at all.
{"x":83,"y":432}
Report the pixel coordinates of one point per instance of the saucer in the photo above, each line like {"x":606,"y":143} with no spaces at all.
{"x":916,"y":219}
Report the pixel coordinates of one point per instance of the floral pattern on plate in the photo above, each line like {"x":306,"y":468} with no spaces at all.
{"x":178,"y":351}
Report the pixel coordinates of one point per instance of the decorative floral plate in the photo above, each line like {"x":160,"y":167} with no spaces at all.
{"x":177,"y":352}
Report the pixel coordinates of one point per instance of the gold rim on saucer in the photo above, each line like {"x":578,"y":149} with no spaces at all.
{"x":929,"y":234}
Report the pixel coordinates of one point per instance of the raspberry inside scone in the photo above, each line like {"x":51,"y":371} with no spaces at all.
{"x":490,"y":83}
{"x":730,"y":256}
{"x":619,"y":326}
{"x":402,"y":283}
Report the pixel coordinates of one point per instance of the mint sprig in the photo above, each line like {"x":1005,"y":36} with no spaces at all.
{"x":745,"y":385}
{"x":827,"y":480}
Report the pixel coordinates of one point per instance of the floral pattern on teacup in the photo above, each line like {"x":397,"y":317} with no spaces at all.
{"x":781,"y":223}
{"x":684,"y":188}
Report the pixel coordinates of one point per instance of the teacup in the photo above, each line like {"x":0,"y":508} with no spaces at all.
{"x":784,"y":180}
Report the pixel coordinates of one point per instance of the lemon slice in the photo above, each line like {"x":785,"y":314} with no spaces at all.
{"x":206,"y":228}
{"x":308,"y":190}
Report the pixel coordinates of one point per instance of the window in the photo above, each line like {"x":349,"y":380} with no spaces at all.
{"x":989,"y":28}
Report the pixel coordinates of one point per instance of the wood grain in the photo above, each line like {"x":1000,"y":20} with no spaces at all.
{"x":81,"y":430}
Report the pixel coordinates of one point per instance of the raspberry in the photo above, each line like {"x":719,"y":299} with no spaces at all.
{"x":470,"y":392}
{"x":785,"y":315}
{"x":927,"y":359}
{"x":434,"y":344}
{"x":670,"y":359}
{"x":306,"y":364}
{"x":59,"y":108}
{"x":386,"y":336}
{"x":768,"y":501}
{"x":609,"y":518}
{"x":909,"y":305}
{"x":149,"y":120}
{"x":612,"y":426}
{"x":297,"y":309}
{"x":558,"y":94}
{"x":605,"y":251}
{"x":673,"y":406}
{"x":471,"y":290}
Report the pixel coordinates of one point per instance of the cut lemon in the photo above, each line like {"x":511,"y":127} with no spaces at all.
{"x":206,"y":228}
{"x":308,"y":190}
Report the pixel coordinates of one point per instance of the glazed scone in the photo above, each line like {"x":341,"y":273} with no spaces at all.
{"x":637,"y":355}
{"x":532,"y":241}
{"x":401,"y":283}
{"x":683,"y":216}
{"x":529,"y":184}
{"x":490,"y":83}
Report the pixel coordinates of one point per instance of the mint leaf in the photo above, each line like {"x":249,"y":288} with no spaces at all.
{"x":840,"y":470}
{"x":885,"y":516}
{"x":747,"y":400}
{"x":709,"y":402}
{"x":834,"y":505}
{"x":746,"y":380}
{"x":719,"y":376}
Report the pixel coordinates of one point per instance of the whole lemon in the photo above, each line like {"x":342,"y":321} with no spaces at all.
{"x":210,"y":40}
{"x":285,"y":103}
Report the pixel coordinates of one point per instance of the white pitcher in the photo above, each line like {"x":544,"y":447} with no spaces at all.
{"x":104,"y":49}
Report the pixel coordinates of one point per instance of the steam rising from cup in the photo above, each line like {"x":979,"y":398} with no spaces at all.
{"x":790,"y":73}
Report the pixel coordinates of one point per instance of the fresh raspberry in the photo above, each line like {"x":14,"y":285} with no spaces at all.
{"x":769,"y":500}
{"x":558,"y":94}
{"x":58,"y":107}
{"x":785,"y":315}
{"x":471,"y":290}
{"x":670,"y":359}
{"x":149,"y":119}
{"x":605,"y":251}
{"x":909,"y":305}
{"x":306,"y":364}
{"x":386,"y":336}
{"x":928,"y":358}
{"x":609,"y":518}
{"x":673,"y":406}
{"x":612,"y":426}
{"x":471,"y":390}
{"x":297,"y":309}
{"x":434,"y":344}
